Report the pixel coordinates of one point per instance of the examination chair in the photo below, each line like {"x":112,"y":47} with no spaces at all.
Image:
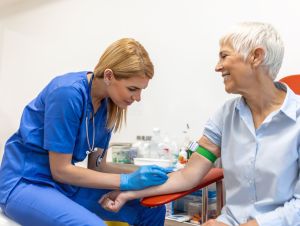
{"x":293,"y":81}
{"x":215,"y":175}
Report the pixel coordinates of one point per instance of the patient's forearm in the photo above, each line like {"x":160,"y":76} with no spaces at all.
{"x":182,"y":180}
{"x":176,"y":182}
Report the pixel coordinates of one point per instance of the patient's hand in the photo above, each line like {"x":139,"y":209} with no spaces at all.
{"x":214,"y":223}
{"x":250,"y":223}
{"x":114,"y":200}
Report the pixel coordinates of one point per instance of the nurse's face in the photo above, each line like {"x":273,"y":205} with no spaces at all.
{"x":124,"y":92}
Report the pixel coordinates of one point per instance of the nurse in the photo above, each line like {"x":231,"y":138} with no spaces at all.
{"x":71,"y":118}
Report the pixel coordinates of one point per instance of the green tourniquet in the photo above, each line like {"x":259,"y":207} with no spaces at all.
{"x":205,"y":153}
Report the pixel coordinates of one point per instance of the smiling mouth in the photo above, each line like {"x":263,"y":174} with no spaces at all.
{"x":225,"y":76}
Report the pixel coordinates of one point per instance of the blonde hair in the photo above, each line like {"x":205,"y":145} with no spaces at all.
{"x":126,"y":58}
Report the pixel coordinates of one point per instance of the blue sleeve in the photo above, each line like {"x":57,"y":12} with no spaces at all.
{"x":286,"y":215}
{"x":63,"y":110}
{"x":213,"y":127}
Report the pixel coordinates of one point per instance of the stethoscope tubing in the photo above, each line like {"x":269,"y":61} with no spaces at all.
{"x":91,"y":147}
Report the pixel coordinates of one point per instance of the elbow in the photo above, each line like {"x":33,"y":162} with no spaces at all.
{"x":192,"y":178}
{"x":59,"y":175}
{"x":188,"y":182}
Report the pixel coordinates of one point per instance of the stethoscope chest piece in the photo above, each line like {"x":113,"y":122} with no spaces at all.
{"x":91,"y":150}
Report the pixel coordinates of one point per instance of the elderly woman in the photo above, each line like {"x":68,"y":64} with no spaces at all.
{"x":256,"y":135}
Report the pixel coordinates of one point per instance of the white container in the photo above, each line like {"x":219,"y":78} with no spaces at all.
{"x":150,"y":161}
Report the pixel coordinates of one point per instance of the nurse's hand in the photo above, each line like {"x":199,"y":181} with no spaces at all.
{"x":144,"y":177}
{"x":214,"y":223}
{"x":113,"y":201}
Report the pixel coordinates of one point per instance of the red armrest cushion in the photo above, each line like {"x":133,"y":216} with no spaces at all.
{"x":214,"y":175}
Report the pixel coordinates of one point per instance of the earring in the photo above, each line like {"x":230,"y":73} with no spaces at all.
{"x":107,"y":82}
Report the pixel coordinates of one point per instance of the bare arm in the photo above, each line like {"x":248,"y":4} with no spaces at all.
{"x":63,"y":171}
{"x":213,"y":222}
{"x":187,"y":178}
{"x":108,"y":167}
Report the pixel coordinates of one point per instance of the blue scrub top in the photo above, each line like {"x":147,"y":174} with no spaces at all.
{"x":55,"y":120}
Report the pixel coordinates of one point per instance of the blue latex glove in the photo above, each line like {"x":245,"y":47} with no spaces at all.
{"x":144,"y":177}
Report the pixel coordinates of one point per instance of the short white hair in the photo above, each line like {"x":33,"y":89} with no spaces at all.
{"x":247,"y":36}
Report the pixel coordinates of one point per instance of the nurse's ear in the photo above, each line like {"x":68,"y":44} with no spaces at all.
{"x":108,"y":75}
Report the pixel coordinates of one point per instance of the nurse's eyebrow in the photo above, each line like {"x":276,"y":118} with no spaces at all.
{"x":223,"y":52}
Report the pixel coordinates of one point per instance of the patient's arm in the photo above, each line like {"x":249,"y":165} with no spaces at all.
{"x":185,"y":179}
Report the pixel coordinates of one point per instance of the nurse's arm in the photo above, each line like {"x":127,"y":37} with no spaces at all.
{"x":184,"y":179}
{"x":64,"y":171}
{"x":108,"y":167}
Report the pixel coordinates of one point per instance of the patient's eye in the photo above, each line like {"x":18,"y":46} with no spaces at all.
{"x":223,"y":56}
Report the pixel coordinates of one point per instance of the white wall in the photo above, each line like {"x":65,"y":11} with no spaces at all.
{"x":41,"y":39}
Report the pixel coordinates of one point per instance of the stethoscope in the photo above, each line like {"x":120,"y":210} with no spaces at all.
{"x":91,"y":147}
